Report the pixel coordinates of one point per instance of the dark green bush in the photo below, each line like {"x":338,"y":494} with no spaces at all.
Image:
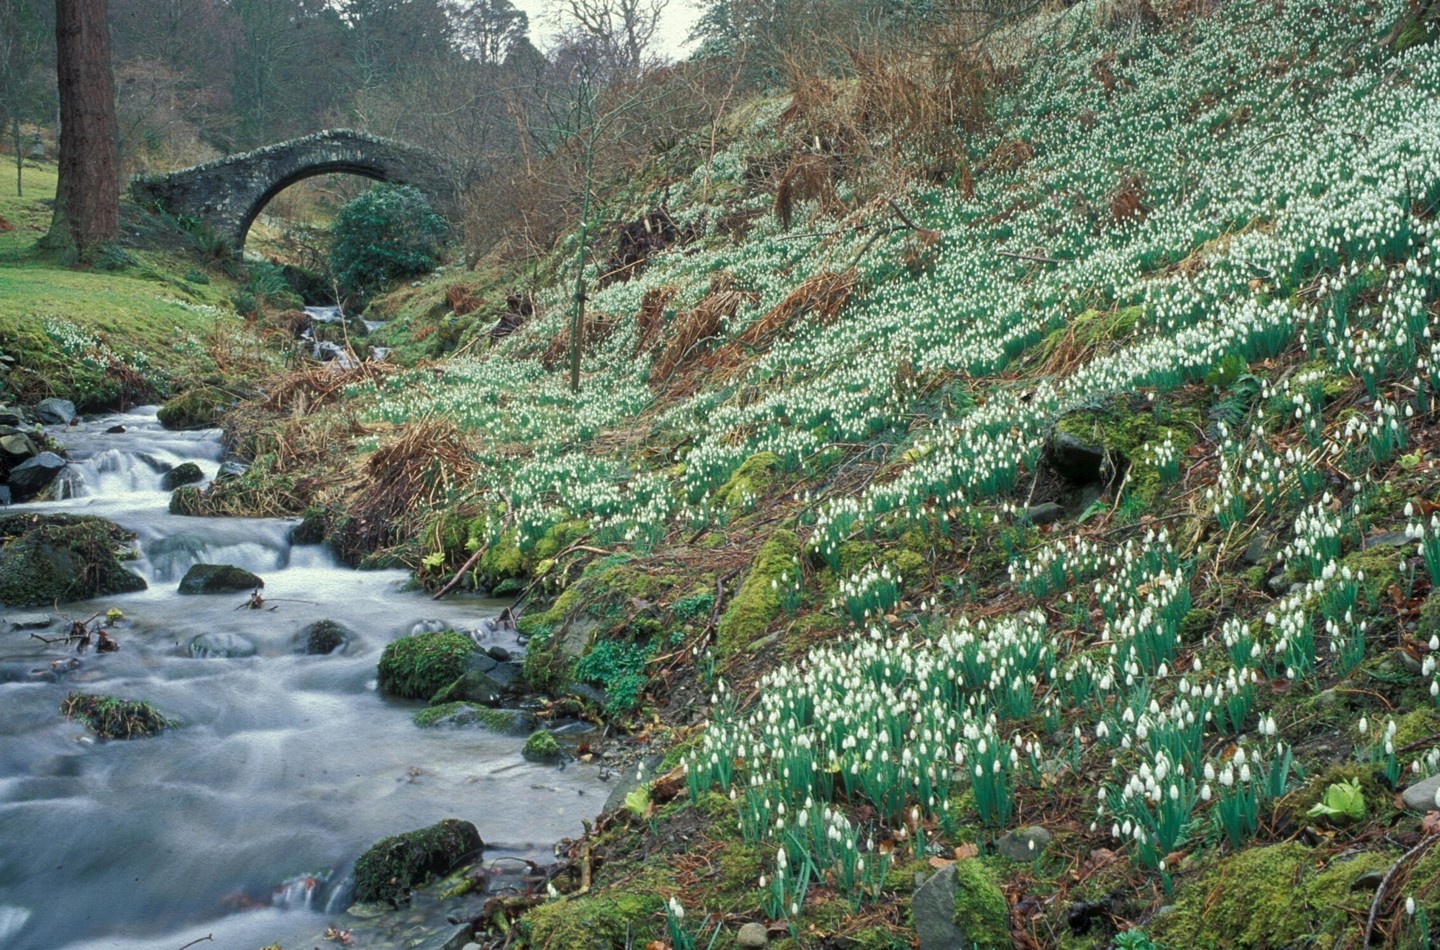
{"x":388,"y":233}
{"x":419,"y":666}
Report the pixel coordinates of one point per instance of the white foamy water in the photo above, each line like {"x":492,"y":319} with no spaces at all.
{"x":242,"y":822}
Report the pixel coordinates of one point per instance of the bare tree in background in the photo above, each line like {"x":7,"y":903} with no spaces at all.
{"x":619,"y":33}
{"x":87,"y":201}
{"x":26,"y":75}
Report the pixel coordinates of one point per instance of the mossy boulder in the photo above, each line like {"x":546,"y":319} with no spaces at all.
{"x":186,"y":473}
{"x":112,"y":718}
{"x":509,"y":722}
{"x":961,"y":905}
{"x":323,"y":637}
{"x":47,"y":559}
{"x":419,"y":666}
{"x":758,"y":602}
{"x":472,"y":686}
{"x":311,"y":529}
{"x":542,"y":747}
{"x":195,"y":409}
{"x":1137,"y":440}
{"x":218,"y":579}
{"x":1284,"y":895}
{"x":393,"y":866}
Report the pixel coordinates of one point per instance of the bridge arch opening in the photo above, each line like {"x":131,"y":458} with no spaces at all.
{"x":350,"y":172}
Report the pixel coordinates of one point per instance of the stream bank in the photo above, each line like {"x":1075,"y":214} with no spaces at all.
{"x":242,"y":822}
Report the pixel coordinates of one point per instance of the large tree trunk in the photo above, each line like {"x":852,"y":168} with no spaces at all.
{"x":87,"y":203}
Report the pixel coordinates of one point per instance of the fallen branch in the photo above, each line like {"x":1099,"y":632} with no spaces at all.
{"x":1032,"y":258}
{"x":469,"y":563}
{"x":210,"y":937}
{"x":1385,"y":881}
{"x":479,"y":553}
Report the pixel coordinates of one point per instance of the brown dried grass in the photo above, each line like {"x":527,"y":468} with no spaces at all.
{"x":1127,"y":201}
{"x":821,"y":296}
{"x":703,"y":322}
{"x":651,"y":318}
{"x":421,"y":465}
{"x":806,"y":178}
{"x":312,"y":385}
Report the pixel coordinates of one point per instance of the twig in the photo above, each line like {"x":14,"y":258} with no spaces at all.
{"x":469,"y":563}
{"x":479,"y":553}
{"x":1380,"y":891}
{"x":210,"y":937}
{"x":1033,"y":258}
{"x":67,"y":639}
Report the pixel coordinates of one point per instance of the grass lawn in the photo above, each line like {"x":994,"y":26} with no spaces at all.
{"x":154,"y":310}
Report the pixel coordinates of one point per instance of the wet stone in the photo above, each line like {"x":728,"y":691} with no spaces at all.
{"x":60,"y":412}
{"x":221,"y":646}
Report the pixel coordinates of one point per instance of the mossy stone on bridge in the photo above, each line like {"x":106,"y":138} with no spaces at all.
{"x":225,"y":195}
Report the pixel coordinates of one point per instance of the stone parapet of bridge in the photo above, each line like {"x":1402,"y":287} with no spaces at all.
{"x":226,"y":194}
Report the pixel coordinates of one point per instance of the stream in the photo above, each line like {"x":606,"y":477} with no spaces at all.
{"x":243,"y":822}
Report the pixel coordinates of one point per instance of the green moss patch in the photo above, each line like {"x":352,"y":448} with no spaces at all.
{"x":395,"y":865}
{"x":419,"y":666}
{"x":754,"y":479}
{"x":612,"y":919}
{"x":981,"y":909}
{"x":112,"y":718}
{"x":542,"y":747}
{"x":1277,"y":896}
{"x":60,"y":558}
{"x":758,"y":603}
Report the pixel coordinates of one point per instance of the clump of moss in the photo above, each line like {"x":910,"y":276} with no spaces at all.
{"x":542,"y":747}
{"x":60,"y":558}
{"x":610,"y":919}
{"x":195,"y":409}
{"x":758,"y":602}
{"x":418,"y":666}
{"x":1302,"y":800}
{"x":751,"y":481}
{"x":1380,"y":567}
{"x":112,"y":718}
{"x":1275,"y":896}
{"x":981,"y":910}
{"x":391,"y":867}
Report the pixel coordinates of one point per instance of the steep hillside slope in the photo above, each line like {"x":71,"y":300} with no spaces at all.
{"x":1087,"y":488}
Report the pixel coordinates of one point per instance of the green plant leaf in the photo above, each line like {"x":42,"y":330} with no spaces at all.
{"x":1342,"y":801}
{"x":638,"y":801}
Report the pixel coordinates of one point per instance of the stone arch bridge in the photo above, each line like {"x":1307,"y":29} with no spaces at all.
{"x":228,"y":193}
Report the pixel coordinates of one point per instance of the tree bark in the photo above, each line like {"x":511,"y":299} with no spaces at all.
{"x":87,"y":202}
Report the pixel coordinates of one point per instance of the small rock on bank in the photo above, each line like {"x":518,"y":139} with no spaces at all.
{"x":1421,"y":795}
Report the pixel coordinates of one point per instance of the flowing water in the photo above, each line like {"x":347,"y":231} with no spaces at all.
{"x":243,"y":822}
